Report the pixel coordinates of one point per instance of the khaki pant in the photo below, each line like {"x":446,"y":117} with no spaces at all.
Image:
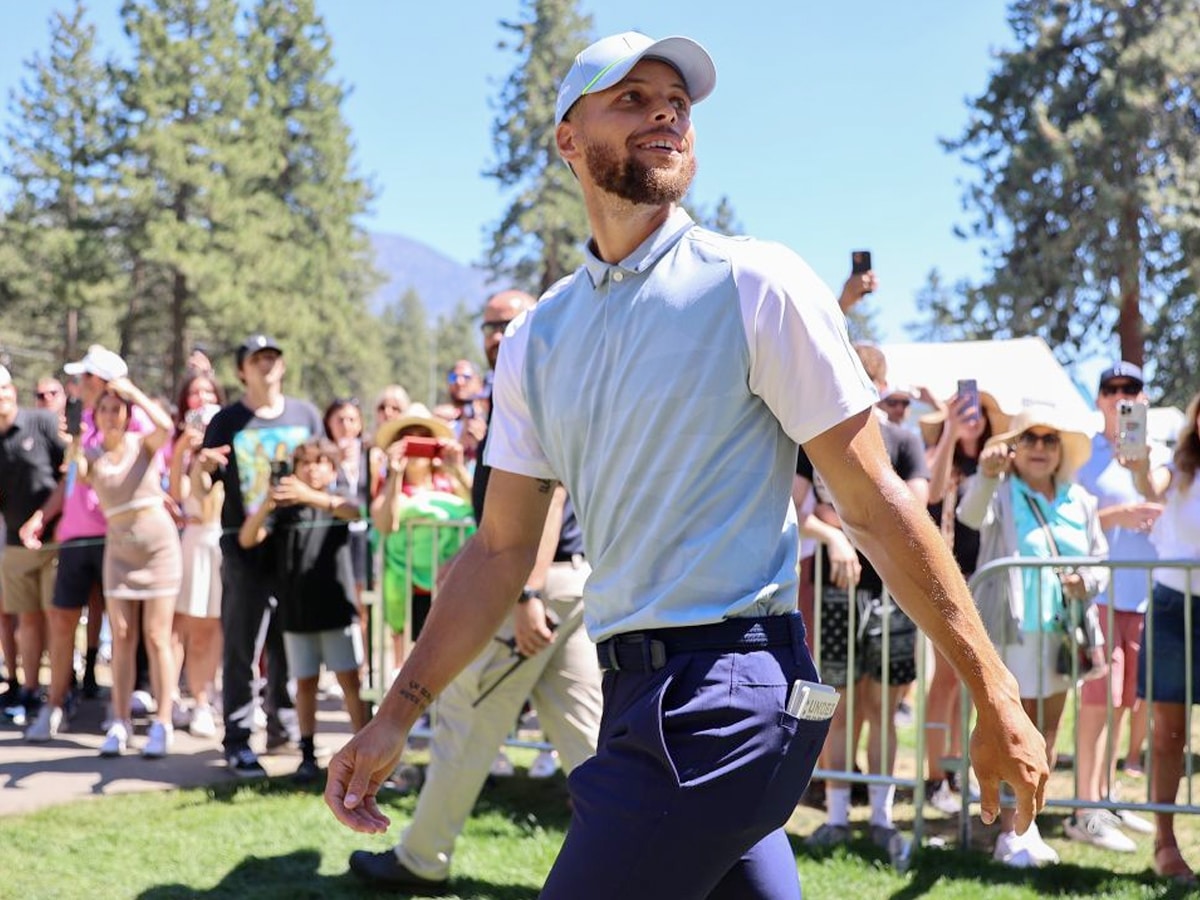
{"x":564,"y":684}
{"x":28,"y":578}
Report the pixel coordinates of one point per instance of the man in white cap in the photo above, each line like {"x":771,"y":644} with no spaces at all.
{"x":735,"y":352}
{"x":31,"y":457}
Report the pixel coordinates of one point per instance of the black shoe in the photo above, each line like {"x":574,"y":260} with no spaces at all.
{"x":244,"y":764}
{"x":383,"y":869}
{"x":307,"y":772}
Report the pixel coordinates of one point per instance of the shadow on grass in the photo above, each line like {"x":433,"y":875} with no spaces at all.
{"x":932,"y":866}
{"x":297,"y":874}
{"x":531,"y":805}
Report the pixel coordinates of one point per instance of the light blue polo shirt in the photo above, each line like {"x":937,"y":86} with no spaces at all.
{"x":668,"y":393}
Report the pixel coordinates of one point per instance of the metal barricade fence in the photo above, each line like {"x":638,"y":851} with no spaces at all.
{"x":1002,"y":567}
{"x":961,"y":764}
{"x":850,"y":695}
{"x":381,"y":664}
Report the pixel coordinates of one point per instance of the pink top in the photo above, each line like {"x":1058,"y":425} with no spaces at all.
{"x":81,"y":515}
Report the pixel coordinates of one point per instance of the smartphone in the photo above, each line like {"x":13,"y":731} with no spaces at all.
{"x":423,"y":447}
{"x":1131,"y":429}
{"x":969,"y":388}
{"x":280,"y":468}
{"x":199,"y":418}
{"x":74,"y":416}
{"x":860,"y":262}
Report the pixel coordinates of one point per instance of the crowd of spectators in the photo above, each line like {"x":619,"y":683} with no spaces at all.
{"x":225,"y":540}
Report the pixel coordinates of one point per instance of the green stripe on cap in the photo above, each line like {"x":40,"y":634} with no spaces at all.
{"x":591,"y":84}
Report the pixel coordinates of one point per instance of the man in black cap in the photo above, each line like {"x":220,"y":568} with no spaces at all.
{"x":240,"y":444}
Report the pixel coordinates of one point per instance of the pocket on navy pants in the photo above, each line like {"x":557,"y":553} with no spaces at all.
{"x":697,"y":763}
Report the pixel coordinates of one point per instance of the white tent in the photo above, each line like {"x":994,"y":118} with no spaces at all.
{"x":1016,"y":372}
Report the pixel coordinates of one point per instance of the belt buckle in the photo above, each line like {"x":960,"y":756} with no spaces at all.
{"x":652,"y":653}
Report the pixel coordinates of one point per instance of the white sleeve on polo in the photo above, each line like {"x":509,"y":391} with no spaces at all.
{"x":512,"y":442}
{"x":802,"y":363}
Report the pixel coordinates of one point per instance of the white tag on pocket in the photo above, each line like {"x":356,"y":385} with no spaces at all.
{"x":812,"y":702}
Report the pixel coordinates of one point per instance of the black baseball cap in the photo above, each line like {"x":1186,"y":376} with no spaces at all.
{"x":1122,"y":369}
{"x":255,"y":343}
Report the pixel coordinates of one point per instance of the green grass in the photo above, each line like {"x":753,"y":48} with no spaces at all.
{"x":272,"y":840}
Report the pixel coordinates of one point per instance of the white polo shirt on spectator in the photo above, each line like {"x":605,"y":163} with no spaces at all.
{"x":668,"y":393}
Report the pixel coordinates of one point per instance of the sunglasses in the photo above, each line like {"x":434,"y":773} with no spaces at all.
{"x":389,"y":407}
{"x":46,"y":395}
{"x":896,"y":401}
{"x":490,"y":329}
{"x":1050,"y":441}
{"x":1126,"y":388}
{"x":459,"y":377}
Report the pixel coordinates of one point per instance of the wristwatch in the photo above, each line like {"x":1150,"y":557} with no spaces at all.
{"x":527,"y":593}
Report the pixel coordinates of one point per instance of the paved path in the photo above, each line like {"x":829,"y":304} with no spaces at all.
{"x":69,"y":768}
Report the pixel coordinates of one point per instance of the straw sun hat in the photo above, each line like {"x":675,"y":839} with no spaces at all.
{"x":931,"y":423}
{"x":416,"y":416}
{"x":1076,"y":444}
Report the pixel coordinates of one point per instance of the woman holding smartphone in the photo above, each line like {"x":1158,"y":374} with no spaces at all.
{"x":1023,"y":502}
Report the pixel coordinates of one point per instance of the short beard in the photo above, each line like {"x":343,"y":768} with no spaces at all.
{"x":638,"y":183}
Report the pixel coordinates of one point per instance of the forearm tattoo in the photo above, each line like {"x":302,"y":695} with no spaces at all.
{"x":416,"y":694}
{"x":545,"y":485}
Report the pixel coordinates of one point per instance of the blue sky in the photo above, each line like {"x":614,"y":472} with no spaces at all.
{"x":823,"y":130}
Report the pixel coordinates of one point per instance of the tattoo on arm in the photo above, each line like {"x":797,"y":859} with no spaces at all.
{"x":416,"y":694}
{"x":545,"y":485}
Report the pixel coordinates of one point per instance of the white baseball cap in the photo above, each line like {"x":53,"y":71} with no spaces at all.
{"x":99,"y":362}
{"x":604,"y":63}
{"x":5,"y":377}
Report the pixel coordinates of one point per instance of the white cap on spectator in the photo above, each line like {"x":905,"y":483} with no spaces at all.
{"x":102,"y":363}
{"x":5,"y":377}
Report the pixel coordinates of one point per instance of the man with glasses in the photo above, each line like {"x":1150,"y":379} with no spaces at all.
{"x":554,"y":664}
{"x":1126,"y":519}
{"x":50,"y":395}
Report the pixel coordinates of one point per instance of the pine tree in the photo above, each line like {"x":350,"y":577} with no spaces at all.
{"x":58,"y":268}
{"x":318,"y":275}
{"x":183,"y":165}
{"x":457,"y":337}
{"x":409,"y":343}
{"x":538,"y":238}
{"x":1087,"y":146}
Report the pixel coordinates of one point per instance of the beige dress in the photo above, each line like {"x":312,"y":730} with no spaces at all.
{"x":142,"y":558}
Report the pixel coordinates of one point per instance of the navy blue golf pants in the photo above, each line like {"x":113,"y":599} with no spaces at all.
{"x":697,"y":770}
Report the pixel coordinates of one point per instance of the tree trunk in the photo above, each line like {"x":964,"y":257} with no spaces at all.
{"x":1129,"y":283}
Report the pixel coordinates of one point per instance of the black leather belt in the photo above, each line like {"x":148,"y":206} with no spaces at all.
{"x":648,"y":651}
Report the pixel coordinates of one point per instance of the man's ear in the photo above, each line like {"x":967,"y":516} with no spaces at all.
{"x":564,"y":139}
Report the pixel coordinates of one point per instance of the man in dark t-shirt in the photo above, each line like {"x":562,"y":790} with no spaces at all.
{"x":31,"y":457}
{"x":241,"y":444}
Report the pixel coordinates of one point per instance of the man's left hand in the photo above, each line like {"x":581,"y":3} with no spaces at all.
{"x":531,"y":630}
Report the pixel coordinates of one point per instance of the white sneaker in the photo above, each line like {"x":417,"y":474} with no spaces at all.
{"x":159,"y":739}
{"x":142,"y":704}
{"x":943,"y":799}
{"x":1100,"y":828}
{"x":180,"y":716}
{"x":1042,"y":852}
{"x":502,"y":766}
{"x":1131,"y":821}
{"x":116,"y":740}
{"x":204,"y":723}
{"x":545,"y":765}
{"x":46,"y":725}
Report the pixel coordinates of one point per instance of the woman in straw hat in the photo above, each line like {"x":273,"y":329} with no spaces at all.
{"x":1176,"y":535}
{"x":955,"y":434}
{"x":426,"y":479}
{"x":1024,"y":504}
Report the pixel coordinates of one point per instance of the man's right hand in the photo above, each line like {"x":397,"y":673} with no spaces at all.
{"x":30,"y":533}
{"x":530,"y":628}
{"x":358,"y":770}
{"x":1006,"y":746}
